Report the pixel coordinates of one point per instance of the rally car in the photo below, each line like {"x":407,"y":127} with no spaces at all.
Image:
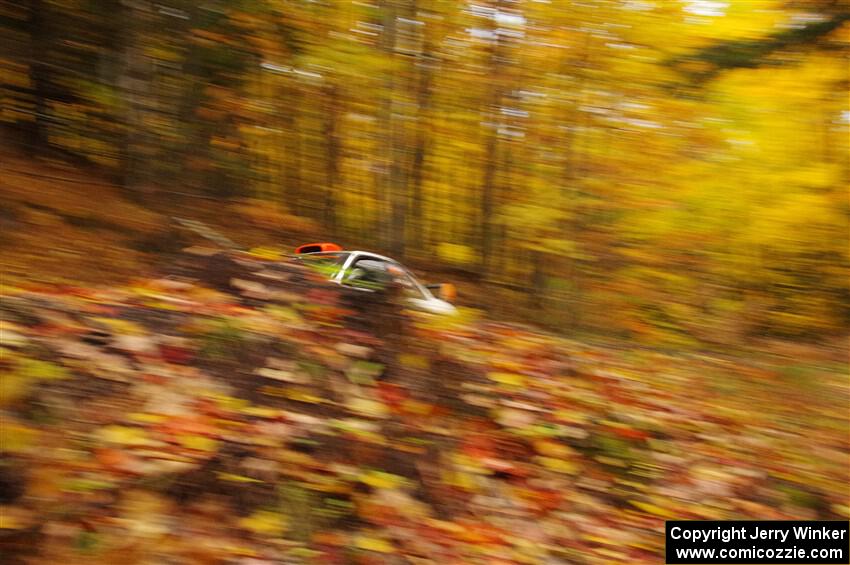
{"x":368,"y":272}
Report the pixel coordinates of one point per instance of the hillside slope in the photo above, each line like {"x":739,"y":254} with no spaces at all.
{"x":266,"y":417}
{"x":69,"y":224}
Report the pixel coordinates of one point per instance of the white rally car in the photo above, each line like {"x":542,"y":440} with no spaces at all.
{"x":368,"y":271}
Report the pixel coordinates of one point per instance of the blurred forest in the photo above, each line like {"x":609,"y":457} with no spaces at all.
{"x":668,"y":170}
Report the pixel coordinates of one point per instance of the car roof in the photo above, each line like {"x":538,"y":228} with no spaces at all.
{"x":376,"y":256}
{"x":320,"y":253}
{"x":349,"y":252}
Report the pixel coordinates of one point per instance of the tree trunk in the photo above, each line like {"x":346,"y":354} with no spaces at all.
{"x":487,"y":197}
{"x":491,"y":147}
{"x":133,"y":83}
{"x":423,"y":104}
{"x":392,"y":189}
{"x":35,"y":135}
{"x":538,"y":280}
{"x":333,"y":155}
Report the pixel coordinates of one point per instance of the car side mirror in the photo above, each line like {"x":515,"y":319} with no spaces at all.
{"x":446,"y":291}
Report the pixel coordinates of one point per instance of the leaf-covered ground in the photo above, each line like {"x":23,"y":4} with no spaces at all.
{"x":254,"y":414}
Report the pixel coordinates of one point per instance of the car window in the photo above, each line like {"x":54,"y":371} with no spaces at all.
{"x":367,"y":273}
{"x":408,"y":283}
{"x":372,"y":273}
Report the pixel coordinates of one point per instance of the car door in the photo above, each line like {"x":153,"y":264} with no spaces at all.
{"x":370,"y":273}
{"x":366,"y":273}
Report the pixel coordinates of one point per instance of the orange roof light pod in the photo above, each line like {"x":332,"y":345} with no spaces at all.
{"x":317,"y":247}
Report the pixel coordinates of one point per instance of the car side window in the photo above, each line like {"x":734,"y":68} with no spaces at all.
{"x":367,"y":273}
{"x":370,"y":273}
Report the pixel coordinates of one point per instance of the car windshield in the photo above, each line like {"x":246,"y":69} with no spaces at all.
{"x":411,"y":286}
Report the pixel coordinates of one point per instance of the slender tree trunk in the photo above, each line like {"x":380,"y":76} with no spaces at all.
{"x":487,"y":196}
{"x":423,"y":104}
{"x":333,"y":144}
{"x":491,"y":148}
{"x":194,"y":140}
{"x":574,"y":170}
{"x":133,"y":82}
{"x":419,"y":152}
{"x":385,"y":124}
{"x":392,"y":190}
{"x":398,"y":195}
{"x":288,"y":143}
{"x":417,"y":174}
{"x":294,"y":152}
{"x":537,"y":280}
{"x":36,"y":131}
